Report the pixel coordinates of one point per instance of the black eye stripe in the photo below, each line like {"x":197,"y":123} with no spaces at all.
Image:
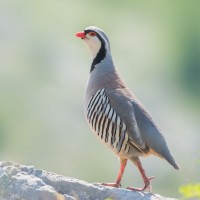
{"x":87,"y":31}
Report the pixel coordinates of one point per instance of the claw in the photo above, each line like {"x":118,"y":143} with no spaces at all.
{"x":117,"y":185}
{"x":147,"y":185}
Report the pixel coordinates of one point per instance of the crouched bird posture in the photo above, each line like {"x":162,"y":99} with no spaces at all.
{"x":115,"y":115}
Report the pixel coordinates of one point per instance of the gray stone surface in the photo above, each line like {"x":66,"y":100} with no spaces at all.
{"x":20,"y":182}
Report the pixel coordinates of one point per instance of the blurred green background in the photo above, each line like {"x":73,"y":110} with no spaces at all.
{"x":44,"y":70}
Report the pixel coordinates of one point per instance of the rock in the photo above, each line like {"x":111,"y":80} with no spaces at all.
{"x":20,"y":182}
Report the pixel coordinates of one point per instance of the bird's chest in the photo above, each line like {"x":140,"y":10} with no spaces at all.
{"x":105,"y":122}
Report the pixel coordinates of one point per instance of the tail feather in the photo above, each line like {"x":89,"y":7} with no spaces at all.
{"x":172,"y":161}
{"x":168,"y":157}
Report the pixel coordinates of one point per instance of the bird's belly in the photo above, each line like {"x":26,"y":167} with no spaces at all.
{"x":116,"y":141}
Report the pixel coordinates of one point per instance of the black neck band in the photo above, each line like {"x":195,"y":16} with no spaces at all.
{"x":100,"y":55}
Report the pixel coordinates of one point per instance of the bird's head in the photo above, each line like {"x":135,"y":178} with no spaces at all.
{"x":96,"y":40}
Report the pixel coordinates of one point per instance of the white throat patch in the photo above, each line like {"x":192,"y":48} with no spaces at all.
{"x":94,"y":45}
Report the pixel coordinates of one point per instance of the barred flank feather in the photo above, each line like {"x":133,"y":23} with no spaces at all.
{"x":106,"y":123}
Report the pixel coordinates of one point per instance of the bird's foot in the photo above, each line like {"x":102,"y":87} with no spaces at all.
{"x":117,"y":185}
{"x":147,"y":185}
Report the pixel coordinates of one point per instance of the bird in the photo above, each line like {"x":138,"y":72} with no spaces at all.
{"x":115,"y":114}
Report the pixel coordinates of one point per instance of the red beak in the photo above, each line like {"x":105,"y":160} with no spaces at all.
{"x":81,"y":35}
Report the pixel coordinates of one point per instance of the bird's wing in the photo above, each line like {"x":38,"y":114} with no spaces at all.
{"x":123,"y":106}
{"x":110,"y":124}
{"x":134,"y":114}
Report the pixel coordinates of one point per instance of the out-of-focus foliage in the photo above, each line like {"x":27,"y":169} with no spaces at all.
{"x":190,"y":190}
{"x":44,"y":69}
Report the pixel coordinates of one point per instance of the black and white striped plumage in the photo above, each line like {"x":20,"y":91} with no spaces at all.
{"x":115,"y":115}
{"x":106,"y":123}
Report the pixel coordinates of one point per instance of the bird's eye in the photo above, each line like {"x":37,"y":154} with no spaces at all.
{"x":92,"y":34}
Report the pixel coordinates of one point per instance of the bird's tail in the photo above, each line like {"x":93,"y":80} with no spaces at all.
{"x":168,"y":157}
{"x":172,"y":161}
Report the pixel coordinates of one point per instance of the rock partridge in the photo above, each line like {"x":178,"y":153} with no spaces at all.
{"x":115,"y":115}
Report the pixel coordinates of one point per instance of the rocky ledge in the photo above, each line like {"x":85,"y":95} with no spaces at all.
{"x":20,"y":182}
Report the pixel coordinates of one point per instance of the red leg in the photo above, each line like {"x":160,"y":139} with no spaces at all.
{"x":147,"y":183}
{"x":117,"y":184}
